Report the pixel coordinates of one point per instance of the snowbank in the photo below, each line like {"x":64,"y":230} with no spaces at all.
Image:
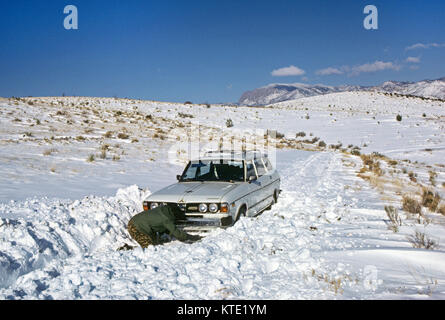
{"x":34,"y":232}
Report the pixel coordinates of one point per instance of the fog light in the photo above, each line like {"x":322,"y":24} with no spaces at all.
{"x":154,"y":205}
{"x":202,"y":208}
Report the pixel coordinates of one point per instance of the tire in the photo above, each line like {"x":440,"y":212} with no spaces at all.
{"x":275,"y":196}
{"x":241,"y":212}
{"x":275,"y":200}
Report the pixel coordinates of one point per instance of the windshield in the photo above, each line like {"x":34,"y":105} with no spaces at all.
{"x":214,"y":170}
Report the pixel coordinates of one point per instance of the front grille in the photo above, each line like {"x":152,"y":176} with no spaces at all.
{"x":194,"y":208}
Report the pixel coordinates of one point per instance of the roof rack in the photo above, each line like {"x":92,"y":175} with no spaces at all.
{"x":234,"y":154}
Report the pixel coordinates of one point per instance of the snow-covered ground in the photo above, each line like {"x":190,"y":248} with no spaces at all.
{"x":63,"y":217}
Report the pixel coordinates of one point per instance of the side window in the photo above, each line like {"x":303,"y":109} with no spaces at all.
{"x":268,"y":164}
{"x":260,"y":167}
{"x":250,"y":169}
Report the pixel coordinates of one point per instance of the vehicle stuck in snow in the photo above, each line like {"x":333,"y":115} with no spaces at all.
{"x":220,"y":187}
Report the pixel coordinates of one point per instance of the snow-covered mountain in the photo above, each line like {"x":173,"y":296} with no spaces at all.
{"x":277,"y":92}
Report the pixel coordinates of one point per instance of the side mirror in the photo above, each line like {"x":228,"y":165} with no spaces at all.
{"x":251,"y":179}
{"x":178,"y":177}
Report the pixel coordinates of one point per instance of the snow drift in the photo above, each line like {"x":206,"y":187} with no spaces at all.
{"x":34,"y":232}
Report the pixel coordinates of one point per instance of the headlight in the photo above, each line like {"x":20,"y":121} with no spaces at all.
{"x":213,"y":207}
{"x":202,"y":208}
{"x":154,"y":205}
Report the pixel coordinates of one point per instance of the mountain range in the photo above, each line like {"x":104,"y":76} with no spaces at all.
{"x":277,"y":92}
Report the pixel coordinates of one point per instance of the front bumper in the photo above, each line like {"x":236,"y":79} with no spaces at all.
{"x":193,"y":218}
{"x":211,"y":219}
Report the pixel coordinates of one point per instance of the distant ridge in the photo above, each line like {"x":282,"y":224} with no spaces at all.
{"x":278,"y":92}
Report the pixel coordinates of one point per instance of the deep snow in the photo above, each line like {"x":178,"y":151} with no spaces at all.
{"x":321,"y":241}
{"x":62,"y":218}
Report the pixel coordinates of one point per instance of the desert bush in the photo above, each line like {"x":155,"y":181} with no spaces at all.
{"x":411,"y":205}
{"x":280,"y":135}
{"x":108,"y":134}
{"x":90,"y":158}
{"x":300,"y":134}
{"x":335,"y":146}
{"x":103,"y":154}
{"x":27,"y":134}
{"x":229,"y":123}
{"x":312,"y":141}
{"x":433,"y":176}
{"x":412,"y":176}
{"x":355,"y":152}
{"x":371,"y":165}
{"x":185,"y":115}
{"x":394,"y":219}
{"x":399,"y":117}
{"x":123,"y":136}
{"x":441,"y":209}
{"x":48,"y":152}
{"x":430,"y":199}
{"x":322,"y":144}
{"x":421,"y":240}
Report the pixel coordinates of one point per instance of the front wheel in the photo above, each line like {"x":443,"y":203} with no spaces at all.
{"x":241,"y":213}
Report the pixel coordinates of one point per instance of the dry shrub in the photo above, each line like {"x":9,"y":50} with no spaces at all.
{"x":421,"y":240}
{"x":123,"y":136}
{"x":394,"y":218}
{"x":48,"y":152}
{"x":371,"y":164}
{"x":441,"y":210}
{"x":430,"y":199}
{"x":411,"y":205}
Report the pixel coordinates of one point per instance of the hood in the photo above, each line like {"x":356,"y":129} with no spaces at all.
{"x":193,"y":192}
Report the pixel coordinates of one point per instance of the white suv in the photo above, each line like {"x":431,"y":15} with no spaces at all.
{"x":220,"y":187}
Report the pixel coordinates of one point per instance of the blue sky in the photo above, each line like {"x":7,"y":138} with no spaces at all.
{"x":213,"y":51}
